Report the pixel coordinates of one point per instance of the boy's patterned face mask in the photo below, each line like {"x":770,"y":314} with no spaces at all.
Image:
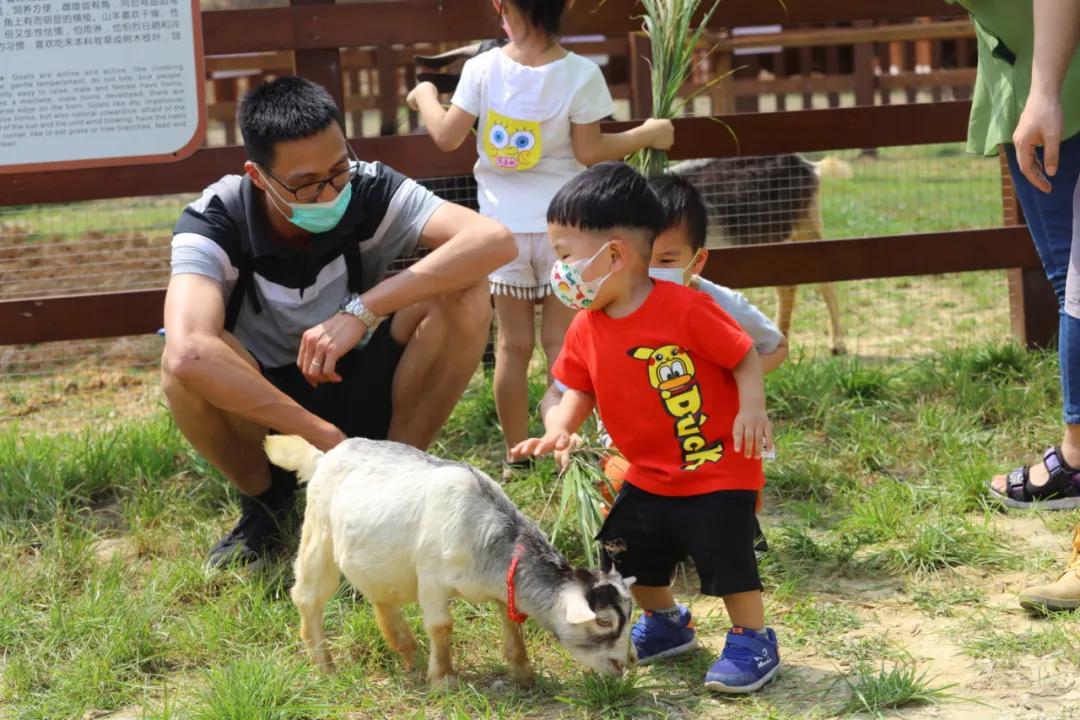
{"x":568,"y":285}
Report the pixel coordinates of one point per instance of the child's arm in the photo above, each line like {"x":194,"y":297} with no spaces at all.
{"x":754,"y":323}
{"x":591,"y":146}
{"x":752,"y":430}
{"x":448,"y":128}
{"x":549,"y":404}
{"x":560,"y":423}
{"x":772,"y":360}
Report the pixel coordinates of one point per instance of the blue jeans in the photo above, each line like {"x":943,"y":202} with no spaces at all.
{"x":1054,"y":222}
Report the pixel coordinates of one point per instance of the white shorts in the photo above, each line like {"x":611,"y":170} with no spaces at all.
{"x":528,"y":275}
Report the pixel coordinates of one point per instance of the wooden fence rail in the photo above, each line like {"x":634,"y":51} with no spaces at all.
{"x":415,"y":155}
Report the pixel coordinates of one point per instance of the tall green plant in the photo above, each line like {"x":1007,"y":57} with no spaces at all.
{"x":674,"y":41}
{"x":580,"y":494}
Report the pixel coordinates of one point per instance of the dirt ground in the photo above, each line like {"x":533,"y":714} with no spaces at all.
{"x":1040,"y":688}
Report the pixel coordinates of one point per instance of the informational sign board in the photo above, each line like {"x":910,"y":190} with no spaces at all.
{"x":86,"y":83}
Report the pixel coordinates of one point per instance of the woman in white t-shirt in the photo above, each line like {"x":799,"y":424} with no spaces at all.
{"x":539,"y":109}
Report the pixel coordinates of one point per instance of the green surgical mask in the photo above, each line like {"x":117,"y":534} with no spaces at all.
{"x":316,"y":217}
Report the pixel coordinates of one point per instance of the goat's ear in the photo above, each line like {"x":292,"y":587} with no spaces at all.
{"x":614,"y":576}
{"x":577,"y":607}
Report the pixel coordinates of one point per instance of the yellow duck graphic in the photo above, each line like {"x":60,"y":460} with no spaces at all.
{"x":511,"y":144}
{"x":670,"y":368}
{"x":671,"y":372}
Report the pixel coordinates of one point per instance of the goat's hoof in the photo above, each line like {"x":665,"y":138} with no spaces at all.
{"x":448,"y":681}
{"x":523,"y":675}
{"x":409,"y":661}
{"x":327,"y":666}
{"x":839,"y":350}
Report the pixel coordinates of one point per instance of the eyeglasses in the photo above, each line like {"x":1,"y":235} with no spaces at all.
{"x":310,"y":192}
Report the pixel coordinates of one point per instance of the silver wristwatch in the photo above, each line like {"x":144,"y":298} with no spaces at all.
{"x":353,"y":305}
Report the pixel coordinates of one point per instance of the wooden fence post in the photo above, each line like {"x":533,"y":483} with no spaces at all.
{"x":385,"y":63}
{"x":322,"y":65}
{"x":1033,"y":306}
{"x":641,"y":98}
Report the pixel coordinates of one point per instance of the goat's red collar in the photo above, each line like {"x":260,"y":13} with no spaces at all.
{"x":511,"y":594}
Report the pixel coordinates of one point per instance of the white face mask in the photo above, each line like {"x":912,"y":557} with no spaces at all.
{"x":675,"y":275}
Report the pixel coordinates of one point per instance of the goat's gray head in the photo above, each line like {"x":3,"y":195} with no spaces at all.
{"x":593,"y":621}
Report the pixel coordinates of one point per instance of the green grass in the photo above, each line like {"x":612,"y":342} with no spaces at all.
{"x":73,"y":221}
{"x":900,"y":686}
{"x":878,"y":492}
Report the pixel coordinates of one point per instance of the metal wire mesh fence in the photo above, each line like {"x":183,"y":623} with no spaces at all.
{"x":124,"y":244}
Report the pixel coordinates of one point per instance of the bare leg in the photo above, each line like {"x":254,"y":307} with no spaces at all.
{"x":746,"y":609}
{"x":397,"y":633}
{"x":653,"y":597}
{"x":557,"y":318}
{"x":513,"y":350}
{"x":514,"y":651}
{"x":828,"y":294}
{"x":445,"y":341}
{"x":785,"y":306}
{"x":317,"y":578}
{"x":232,"y":444}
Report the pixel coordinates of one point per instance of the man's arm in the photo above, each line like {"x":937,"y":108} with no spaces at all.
{"x":197,"y":355}
{"x":466,"y":248}
{"x":1057,"y":33}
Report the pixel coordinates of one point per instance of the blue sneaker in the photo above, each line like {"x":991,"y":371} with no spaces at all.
{"x":655,"y":637}
{"x":750,"y":660}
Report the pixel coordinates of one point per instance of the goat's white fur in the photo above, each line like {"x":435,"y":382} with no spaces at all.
{"x":404,"y":527}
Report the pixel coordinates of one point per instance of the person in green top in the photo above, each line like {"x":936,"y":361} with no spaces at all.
{"x":1027,"y":99}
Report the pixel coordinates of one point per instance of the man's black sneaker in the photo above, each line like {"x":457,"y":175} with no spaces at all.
{"x":259,"y":535}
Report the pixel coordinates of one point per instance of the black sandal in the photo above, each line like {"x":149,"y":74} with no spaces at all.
{"x":1061,"y":491}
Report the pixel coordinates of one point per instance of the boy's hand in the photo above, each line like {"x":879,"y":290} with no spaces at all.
{"x":661,"y":133}
{"x":553,"y":441}
{"x":752,"y":432}
{"x":562,"y":457}
{"x":424,"y":88}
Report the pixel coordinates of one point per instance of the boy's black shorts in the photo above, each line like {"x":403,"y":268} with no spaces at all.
{"x":360,"y":405}
{"x":647,"y":535}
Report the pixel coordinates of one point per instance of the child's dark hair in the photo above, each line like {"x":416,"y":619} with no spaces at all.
{"x":288,"y":108}
{"x":543,"y":14}
{"x":607,"y":196}
{"x":682,"y":204}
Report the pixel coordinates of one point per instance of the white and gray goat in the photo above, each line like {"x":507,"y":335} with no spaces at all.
{"x":404,"y":526}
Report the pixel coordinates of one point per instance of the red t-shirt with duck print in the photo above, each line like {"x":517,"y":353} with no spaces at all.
{"x":663,"y":382}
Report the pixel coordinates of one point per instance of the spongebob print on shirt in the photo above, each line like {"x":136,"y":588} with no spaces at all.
{"x":511,"y":144}
{"x":671,"y":373}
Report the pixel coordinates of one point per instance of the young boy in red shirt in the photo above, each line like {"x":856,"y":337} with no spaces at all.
{"x":680,"y":389}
